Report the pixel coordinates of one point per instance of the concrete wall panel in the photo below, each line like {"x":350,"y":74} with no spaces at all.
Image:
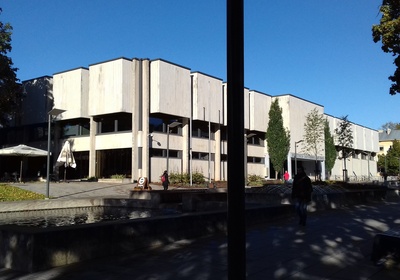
{"x":111,"y":87}
{"x":170,"y":89}
{"x":207,"y":98}
{"x":259,"y":108}
{"x":71,"y":93}
{"x":111,"y":141}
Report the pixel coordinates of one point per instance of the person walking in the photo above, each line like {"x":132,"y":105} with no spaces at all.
{"x":165,"y":180}
{"x":286,"y":176}
{"x":301,"y":193}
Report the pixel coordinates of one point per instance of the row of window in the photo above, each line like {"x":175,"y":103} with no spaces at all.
{"x":363,"y":156}
{"x":199,"y":155}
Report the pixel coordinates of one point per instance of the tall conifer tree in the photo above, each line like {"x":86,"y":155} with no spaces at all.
{"x":330,"y":150}
{"x":278,"y":138}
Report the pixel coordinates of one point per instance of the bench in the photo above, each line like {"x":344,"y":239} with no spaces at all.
{"x":385,"y":245}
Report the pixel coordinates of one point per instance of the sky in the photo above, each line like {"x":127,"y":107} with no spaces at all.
{"x":318,"y":50}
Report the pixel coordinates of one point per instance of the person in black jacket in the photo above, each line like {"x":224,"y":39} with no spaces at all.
{"x":165,"y":180}
{"x":301,"y":193}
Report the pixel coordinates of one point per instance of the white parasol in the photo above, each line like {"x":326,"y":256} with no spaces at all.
{"x":22,"y":151}
{"x":66,"y":157}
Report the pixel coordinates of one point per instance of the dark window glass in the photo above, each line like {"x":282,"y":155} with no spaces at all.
{"x":163,"y":153}
{"x":107,"y":125}
{"x":156,"y":124}
{"x":76,"y":128}
{"x":125,"y":122}
{"x":200,"y":130}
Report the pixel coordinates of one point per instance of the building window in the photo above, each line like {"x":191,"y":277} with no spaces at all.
{"x":200,"y":130}
{"x":202,"y":156}
{"x":161,"y":125}
{"x":256,"y":160}
{"x":363,"y":156}
{"x":114,"y":123}
{"x":256,"y":140}
{"x":156,"y":124}
{"x":163,"y":153}
{"x":76,"y":128}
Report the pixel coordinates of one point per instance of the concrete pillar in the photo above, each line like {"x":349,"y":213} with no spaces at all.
{"x":136,"y":114}
{"x":323,"y":170}
{"x":145,"y":118}
{"x":217,"y":157}
{"x":289,"y":165}
{"x":185,"y":146}
{"x":92,"y":148}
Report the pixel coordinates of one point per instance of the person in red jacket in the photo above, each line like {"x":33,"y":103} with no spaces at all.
{"x":286,"y":176}
{"x":165,"y":180}
{"x":301,"y":194}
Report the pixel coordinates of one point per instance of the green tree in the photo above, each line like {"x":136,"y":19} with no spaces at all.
{"x":330,"y":150}
{"x":381,"y":163}
{"x":388,"y":32}
{"x":278,"y":138}
{"x":393,"y":159}
{"x":314,"y":137}
{"x":10,"y":89}
{"x":344,"y":135}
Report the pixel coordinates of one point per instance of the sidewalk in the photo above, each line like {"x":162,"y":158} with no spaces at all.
{"x":335,"y":245}
{"x":78,"y":189}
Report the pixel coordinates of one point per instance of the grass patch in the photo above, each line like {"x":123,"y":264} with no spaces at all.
{"x":10,"y":193}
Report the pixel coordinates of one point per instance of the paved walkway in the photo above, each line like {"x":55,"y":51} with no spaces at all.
{"x":335,"y":245}
{"x":77,"y":189}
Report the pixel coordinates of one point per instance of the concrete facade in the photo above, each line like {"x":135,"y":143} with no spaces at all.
{"x":118,"y":112}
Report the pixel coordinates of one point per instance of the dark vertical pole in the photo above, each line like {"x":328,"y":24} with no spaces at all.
{"x":235,"y":109}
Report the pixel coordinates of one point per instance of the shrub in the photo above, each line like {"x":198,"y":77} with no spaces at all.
{"x":255,"y":180}
{"x":177,"y":178}
{"x":92,"y":179}
{"x":118,"y":176}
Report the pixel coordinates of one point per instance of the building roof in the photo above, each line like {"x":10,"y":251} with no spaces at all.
{"x":389,"y":135}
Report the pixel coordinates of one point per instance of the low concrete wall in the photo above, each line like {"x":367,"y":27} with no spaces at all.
{"x":33,"y":249}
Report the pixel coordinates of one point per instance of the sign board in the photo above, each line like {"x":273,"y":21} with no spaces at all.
{"x":143,"y":183}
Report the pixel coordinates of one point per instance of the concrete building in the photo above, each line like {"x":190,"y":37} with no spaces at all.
{"x":135,"y":117}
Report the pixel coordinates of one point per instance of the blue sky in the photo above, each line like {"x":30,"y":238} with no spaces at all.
{"x":318,"y":50}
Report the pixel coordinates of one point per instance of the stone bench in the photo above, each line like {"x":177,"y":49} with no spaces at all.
{"x":386,"y":244}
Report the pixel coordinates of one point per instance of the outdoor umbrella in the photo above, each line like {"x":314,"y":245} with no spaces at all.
{"x":66,"y":157}
{"x":22,"y":151}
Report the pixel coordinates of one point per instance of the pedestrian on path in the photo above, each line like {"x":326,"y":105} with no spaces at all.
{"x":301,"y":194}
{"x":286,"y":177}
{"x":165,"y":180}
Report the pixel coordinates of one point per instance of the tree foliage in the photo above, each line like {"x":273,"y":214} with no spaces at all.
{"x":278,"y":138}
{"x":390,"y":125}
{"x":391,"y":160}
{"x":344,"y":136}
{"x":388,"y":32}
{"x":10,"y":89}
{"x":330,"y":150}
{"x":314,"y":136}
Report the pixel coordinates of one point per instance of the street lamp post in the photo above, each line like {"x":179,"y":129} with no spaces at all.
{"x":52,"y":113}
{"x":295,"y":155}
{"x":171,"y":125}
